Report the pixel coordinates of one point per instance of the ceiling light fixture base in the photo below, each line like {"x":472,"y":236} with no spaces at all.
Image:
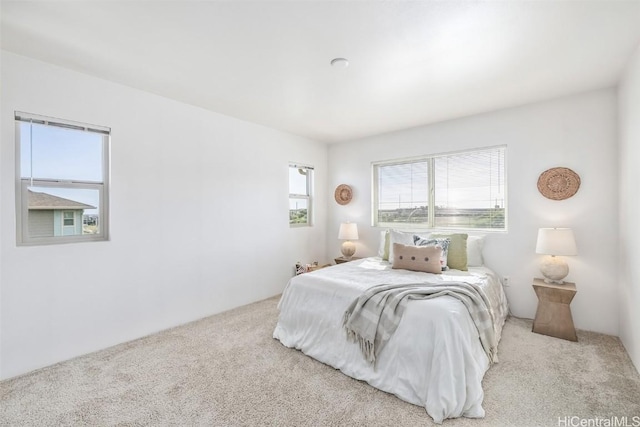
{"x":339,"y":63}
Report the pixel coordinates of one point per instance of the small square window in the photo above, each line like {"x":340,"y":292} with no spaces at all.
{"x":68,"y":218}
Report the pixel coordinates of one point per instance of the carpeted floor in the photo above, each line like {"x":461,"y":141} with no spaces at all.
{"x":226,"y":370}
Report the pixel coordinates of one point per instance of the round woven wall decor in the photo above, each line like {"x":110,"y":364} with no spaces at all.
{"x":343,"y":194}
{"x":558,"y":183}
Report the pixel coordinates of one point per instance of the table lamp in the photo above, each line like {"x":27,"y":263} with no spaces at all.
{"x":348,"y":231}
{"x":555,"y":243}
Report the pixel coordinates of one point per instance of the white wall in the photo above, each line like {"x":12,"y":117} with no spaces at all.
{"x":199,"y":220}
{"x":578,"y":132}
{"x":629,"y":98}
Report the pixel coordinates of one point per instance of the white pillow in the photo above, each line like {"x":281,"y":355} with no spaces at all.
{"x":474,"y":251}
{"x":404,"y":238}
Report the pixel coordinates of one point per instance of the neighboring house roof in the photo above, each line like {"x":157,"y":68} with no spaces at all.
{"x":43,"y":201}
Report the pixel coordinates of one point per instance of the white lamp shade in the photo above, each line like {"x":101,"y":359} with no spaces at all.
{"x":556,"y":241}
{"x":348,"y":231}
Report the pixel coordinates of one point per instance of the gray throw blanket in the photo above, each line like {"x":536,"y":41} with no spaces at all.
{"x":373,"y":317}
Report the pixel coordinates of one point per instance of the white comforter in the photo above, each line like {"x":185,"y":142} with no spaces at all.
{"x":434,"y":359}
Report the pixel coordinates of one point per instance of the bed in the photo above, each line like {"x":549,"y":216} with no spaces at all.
{"x":434,"y":359}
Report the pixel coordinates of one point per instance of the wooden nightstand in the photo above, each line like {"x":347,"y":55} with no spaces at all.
{"x":342,"y":259}
{"x":553,"y":316}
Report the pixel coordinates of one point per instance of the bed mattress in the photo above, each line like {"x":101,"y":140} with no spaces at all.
{"x":434,"y":359}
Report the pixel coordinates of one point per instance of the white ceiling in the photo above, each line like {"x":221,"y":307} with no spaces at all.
{"x":411,"y":62}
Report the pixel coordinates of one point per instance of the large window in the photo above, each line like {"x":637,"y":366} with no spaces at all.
{"x":63,"y":174}
{"x":463,"y":190}
{"x":300,"y":191}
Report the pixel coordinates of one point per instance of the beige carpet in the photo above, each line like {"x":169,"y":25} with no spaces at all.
{"x":226,"y":370}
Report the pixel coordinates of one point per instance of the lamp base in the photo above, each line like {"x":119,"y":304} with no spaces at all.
{"x":554,"y":269}
{"x":348,"y":248}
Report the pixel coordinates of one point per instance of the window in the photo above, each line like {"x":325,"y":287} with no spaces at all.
{"x":463,"y":190}
{"x":63,"y":173}
{"x":300,"y":190}
{"x":69,"y":218}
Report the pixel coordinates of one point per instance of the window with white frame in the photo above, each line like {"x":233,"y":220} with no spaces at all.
{"x":68,"y":218}
{"x":464,"y":190}
{"x":63,"y":174}
{"x":300,"y":195}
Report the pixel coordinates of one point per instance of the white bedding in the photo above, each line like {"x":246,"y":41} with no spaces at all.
{"x":434,"y":359}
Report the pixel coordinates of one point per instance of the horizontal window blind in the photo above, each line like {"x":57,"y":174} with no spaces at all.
{"x":469,"y":189}
{"x":403,"y":191}
{"x":464,"y":190}
{"x":67,"y":124}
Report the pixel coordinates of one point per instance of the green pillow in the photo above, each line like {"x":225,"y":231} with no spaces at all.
{"x":383,"y":248}
{"x":387,"y":241}
{"x":457,"y":256}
